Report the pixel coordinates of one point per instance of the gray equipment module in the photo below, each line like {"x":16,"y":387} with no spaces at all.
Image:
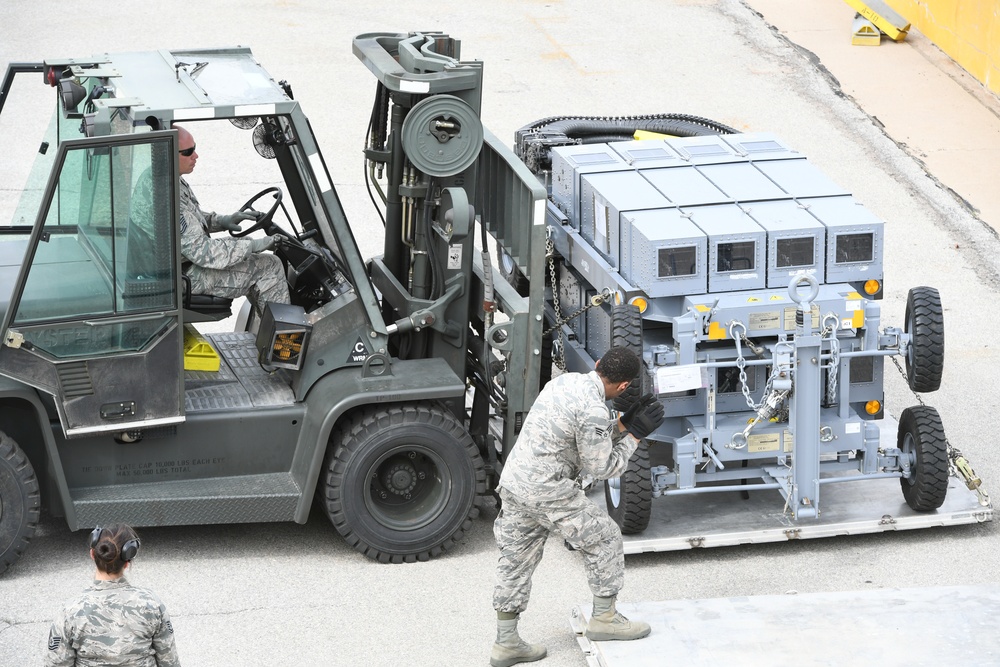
{"x":749,"y":283}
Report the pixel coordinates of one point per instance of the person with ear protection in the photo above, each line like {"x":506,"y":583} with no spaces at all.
{"x":569,"y":432}
{"x":112,"y":622}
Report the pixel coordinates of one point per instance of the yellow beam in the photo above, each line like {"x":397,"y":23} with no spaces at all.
{"x":883,"y":16}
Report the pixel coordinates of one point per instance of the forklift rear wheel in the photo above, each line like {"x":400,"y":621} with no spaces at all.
{"x":921,"y":439}
{"x":924,"y":321}
{"x":630,"y":497}
{"x":403,"y":483}
{"x":19,"y":502}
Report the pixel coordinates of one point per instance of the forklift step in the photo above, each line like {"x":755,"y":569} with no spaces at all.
{"x":216,"y":500}
{"x":948,"y":625}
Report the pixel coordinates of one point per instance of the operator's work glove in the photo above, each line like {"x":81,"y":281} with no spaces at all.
{"x":233,"y":220}
{"x":260,"y":245}
{"x":643,"y":417}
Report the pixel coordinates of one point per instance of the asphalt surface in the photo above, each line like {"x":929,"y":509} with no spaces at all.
{"x":297,"y":594}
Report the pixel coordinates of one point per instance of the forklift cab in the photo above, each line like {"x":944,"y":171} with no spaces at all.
{"x":98,"y":311}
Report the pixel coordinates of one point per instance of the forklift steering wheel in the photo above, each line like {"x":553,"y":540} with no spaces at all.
{"x":264,"y":221}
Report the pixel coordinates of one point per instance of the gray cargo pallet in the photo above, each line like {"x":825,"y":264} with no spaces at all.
{"x":955,"y":625}
{"x":850,"y":508}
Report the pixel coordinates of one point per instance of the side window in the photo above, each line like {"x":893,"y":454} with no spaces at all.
{"x":106,"y":250}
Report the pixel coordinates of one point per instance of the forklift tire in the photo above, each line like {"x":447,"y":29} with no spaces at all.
{"x":403,"y":483}
{"x":924,"y":321}
{"x":19,"y":502}
{"x":921,"y":438}
{"x":510,"y":272}
{"x":630,"y":497}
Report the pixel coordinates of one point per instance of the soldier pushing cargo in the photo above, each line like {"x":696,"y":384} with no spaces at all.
{"x":568,"y":433}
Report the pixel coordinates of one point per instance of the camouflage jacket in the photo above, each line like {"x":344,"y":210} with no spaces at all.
{"x":197,"y":246}
{"x":113,"y":623}
{"x":568,"y":432}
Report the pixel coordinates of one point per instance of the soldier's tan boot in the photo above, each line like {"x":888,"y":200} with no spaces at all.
{"x":509,"y":648}
{"x":606,"y":624}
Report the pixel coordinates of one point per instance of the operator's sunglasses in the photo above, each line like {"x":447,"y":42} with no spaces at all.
{"x":187,"y":152}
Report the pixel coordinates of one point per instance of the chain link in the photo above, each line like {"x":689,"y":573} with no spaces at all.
{"x":830,"y":333}
{"x":559,"y":357}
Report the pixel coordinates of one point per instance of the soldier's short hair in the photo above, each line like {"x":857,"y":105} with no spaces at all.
{"x":619,"y":364}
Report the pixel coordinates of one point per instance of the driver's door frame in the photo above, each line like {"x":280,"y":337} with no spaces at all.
{"x":120,"y":391}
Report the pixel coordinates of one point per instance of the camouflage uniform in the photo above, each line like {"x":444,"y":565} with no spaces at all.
{"x":113,"y":623}
{"x":569,"y":432}
{"x":226,"y":267}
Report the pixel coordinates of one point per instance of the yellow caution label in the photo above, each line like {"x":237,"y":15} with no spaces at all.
{"x":717,"y":331}
{"x":776,"y":297}
{"x":753,"y":299}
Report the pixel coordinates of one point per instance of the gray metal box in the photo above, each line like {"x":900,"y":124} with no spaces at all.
{"x":756,"y":146}
{"x":800,"y":178}
{"x":741,"y":181}
{"x":604,"y":197}
{"x":685,"y":186}
{"x":855,"y":238}
{"x":664,"y":253}
{"x":710,"y":149}
{"x":796,"y":241}
{"x":568,"y":163}
{"x":647,"y":153}
{"x":735,"y":247}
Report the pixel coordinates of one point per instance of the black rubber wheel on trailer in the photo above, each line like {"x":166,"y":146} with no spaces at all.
{"x":921,"y":438}
{"x":403,"y":483}
{"x":924,"y":321}
{"x":510,"y":272}
{"x":630,"y":497}
{"x":20,"y":502}
{"x":626,"y":331}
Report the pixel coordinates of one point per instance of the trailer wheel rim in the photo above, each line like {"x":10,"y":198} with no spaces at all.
{"x":615,"y":491}
{"x":407,"y":489}
{"x":910,"y":454}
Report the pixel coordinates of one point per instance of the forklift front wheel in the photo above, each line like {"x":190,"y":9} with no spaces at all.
{"x":403,"y":483}
{"x":921,"y":439}
{"x":19,"y":502}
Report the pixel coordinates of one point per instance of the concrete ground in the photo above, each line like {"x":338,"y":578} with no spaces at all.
{"x":887,"y":123}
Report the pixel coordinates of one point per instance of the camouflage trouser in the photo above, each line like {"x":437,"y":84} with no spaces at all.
{"x":521,"y":529}
{"x":261,"y":277}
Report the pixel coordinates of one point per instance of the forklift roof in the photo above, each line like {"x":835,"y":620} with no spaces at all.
{"x":182,"y":85}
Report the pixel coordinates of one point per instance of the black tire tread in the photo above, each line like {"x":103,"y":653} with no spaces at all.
{"x":15,"y":538}
{"x":626,"y":331}
{"x":632,"y":514}
{"x":351,"y":438}
{"x":927,"y":486}
{"x":923,"y":309}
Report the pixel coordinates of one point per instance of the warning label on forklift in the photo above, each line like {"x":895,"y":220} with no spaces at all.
{"x":358,"y":353}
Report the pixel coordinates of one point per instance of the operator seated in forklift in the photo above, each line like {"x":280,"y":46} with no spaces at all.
{"x":228,"y":268}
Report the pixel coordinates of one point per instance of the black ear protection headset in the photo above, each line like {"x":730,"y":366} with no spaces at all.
{"x":129,"y":549}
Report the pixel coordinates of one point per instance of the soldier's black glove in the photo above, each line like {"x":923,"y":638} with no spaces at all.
{"x":643,"y":417}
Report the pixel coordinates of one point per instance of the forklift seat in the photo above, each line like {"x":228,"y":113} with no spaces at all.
{"x":204,"y":307}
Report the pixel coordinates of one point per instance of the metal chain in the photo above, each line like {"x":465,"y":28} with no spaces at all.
{"x":559,"y":358}
{"x":830,"y":333}
{"x":558,"y":351}
{"x":958,"y":465}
